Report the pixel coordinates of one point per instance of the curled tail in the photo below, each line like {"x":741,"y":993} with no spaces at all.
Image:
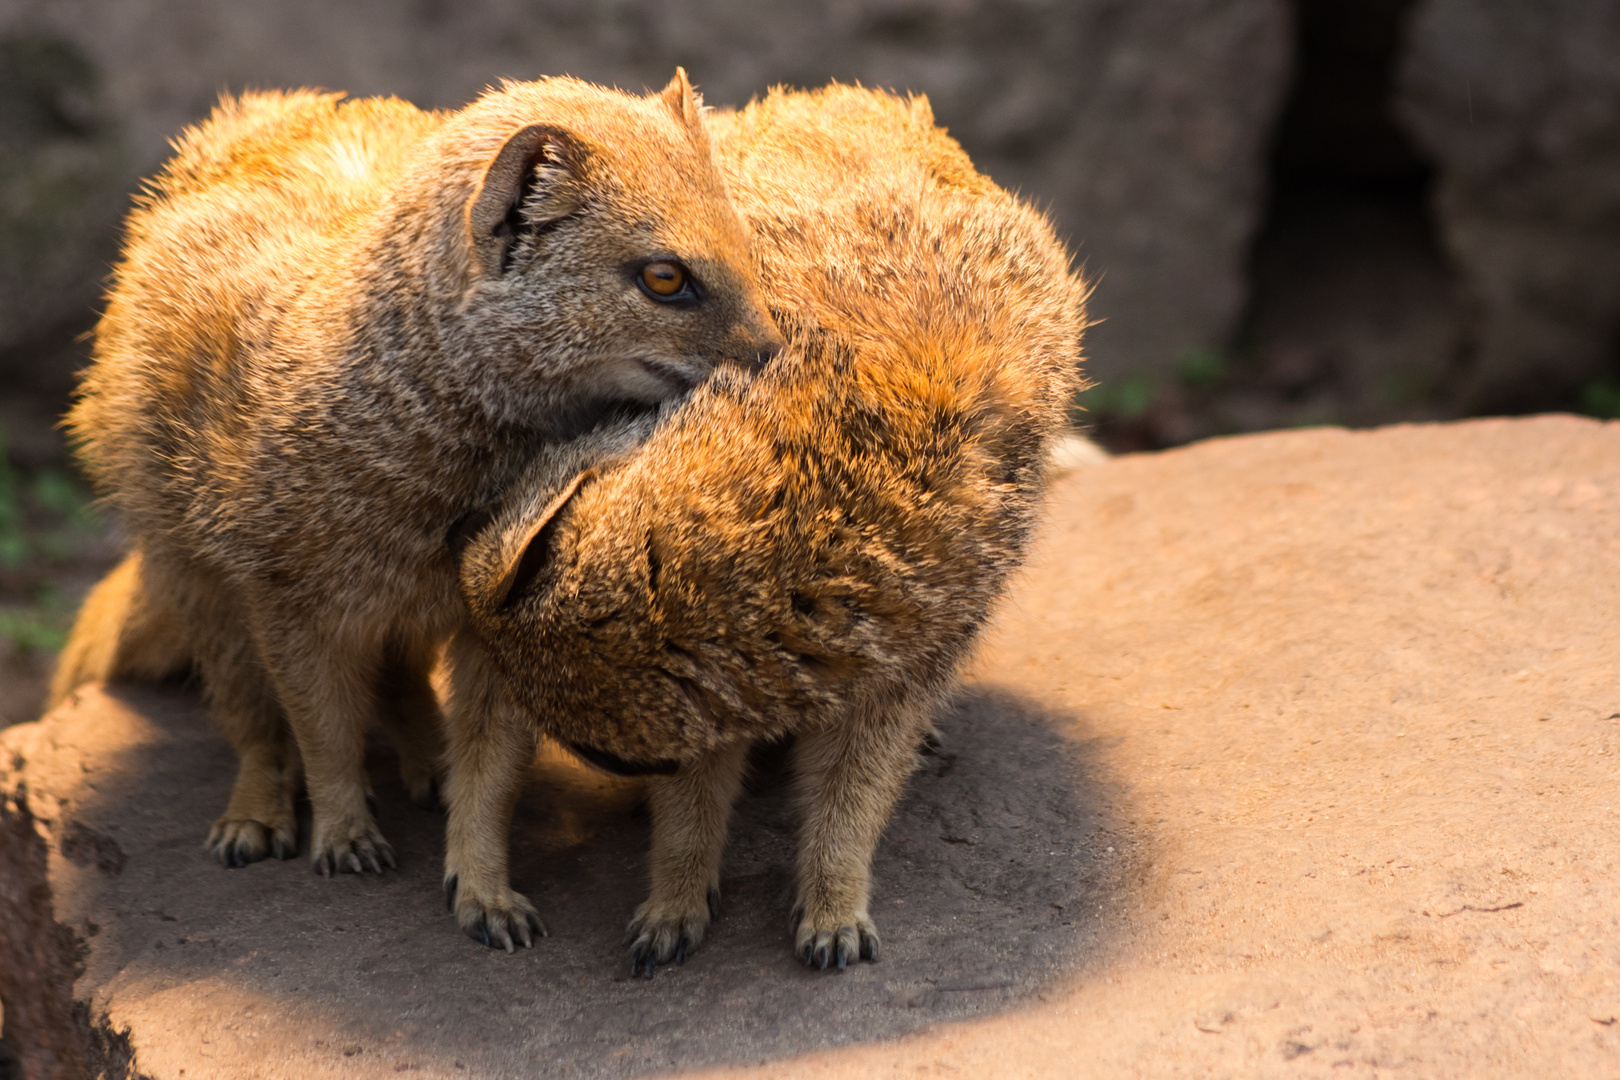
{"x":124,"y":630}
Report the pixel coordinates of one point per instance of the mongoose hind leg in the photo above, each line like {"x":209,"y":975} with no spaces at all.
{"x":490,"y":746}
{"x":260,"y":819}
{"x":128,"y":627}
{"x":150,"y":619}
{"x":849,"y":778}
{"x":321,"y":681}
{"x":409,"y":710}
{"x":691,"y":812}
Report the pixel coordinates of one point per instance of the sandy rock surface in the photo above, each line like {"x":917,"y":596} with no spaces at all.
{"x":1290,"y":755}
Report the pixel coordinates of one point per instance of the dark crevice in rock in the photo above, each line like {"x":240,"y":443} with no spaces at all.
{"x":39,"y":958}
{"x":110,"y":1054}
{"x":1353,"y":314}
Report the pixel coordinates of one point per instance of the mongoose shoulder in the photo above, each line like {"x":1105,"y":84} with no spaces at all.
{"x":813,"y":550}
{"x":336,"y":328}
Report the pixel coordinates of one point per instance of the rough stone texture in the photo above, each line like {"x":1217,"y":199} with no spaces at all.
{"x":1291,"y":755}
{"x":272,"y":971}
{"x":1518,"y":103}
{"x":1142,"y":126}
{"x":62,"y":183}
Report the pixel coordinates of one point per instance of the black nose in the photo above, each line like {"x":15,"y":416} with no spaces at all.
{"x":768,"y":352}
{"x":766,"y":347}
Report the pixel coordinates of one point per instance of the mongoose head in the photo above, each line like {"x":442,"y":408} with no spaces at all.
{"x":602,"y":260}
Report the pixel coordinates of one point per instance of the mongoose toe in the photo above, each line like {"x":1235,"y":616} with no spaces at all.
{"x":837,"y":944}
{"x":658,"y":936}
{"x":350,"y":845}
{"x":501,"y":920}
{"x":237,"y":843}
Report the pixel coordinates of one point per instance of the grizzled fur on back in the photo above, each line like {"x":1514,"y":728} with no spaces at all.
{"x":812,"y":550}
{"x":836,"y":528}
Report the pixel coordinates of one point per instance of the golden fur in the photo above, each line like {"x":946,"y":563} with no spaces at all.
{"x":810,"y":551}
{"x":337,"y":328}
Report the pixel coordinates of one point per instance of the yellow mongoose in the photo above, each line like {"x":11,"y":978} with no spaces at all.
{"x":339,"y":326}
{"x":812,"y":550}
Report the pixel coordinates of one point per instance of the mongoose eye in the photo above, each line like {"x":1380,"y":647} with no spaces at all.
{"x":664,"y":280}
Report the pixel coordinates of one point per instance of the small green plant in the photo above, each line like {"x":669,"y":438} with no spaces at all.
{"x":1406,"y":387}
{"x":1127,"y":398}
{"x":1203,"y":368}
{"x":46,"y":523}
{"x":1601,"y":398}
{"x":30,"y":630}
{"x":43,"y":517}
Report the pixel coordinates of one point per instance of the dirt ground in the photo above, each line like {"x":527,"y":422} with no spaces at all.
{"x":1290,"y":755}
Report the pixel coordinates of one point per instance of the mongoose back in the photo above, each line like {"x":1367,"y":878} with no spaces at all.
{"x":810,"y":551}
{"x":336,"y":329}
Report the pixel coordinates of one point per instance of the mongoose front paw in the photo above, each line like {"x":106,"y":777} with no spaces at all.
{"x":239,"y":842}
{"x":501,"y":921}
{"x":832,"y":941}
{"x":658,"y":934}
{"x":355,"y":848}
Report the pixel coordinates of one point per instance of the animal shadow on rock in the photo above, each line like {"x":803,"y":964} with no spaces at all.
{"x":979,"y":886}
{"x":987,"y":887}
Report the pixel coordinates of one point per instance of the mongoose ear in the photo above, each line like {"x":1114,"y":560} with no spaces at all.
{"x":683,"y":101}
{"x":533,"y":183}
{"x":529,"y":555}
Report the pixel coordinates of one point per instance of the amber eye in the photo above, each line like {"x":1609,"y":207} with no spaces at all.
{"x":663,"y":278}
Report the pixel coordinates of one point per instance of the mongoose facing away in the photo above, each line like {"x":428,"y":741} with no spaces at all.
{"x":811,"y":551}
{"x":338,"y":327}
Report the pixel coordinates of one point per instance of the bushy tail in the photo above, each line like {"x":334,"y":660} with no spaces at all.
{"x":124,"y":630}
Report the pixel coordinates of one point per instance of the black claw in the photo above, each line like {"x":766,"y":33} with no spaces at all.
{"x":483,"y":933}
{"x":387,"y":853}
{"x":522,"y":929}
{"x":713,"y":897}
{"x":635,"y":961}
{"x":842,"y":953}
{"x":822,"y":957}
{"x":371,"y":803}
{"x":452,"y":885}
{"x":680,"y":949}
{"x":371,"y":863}
{"x":539,"y":927}
{"x":808,"y":949}
{"x":869,"y":948}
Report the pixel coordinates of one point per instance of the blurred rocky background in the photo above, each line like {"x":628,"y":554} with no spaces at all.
{"x":1305,"y":212}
